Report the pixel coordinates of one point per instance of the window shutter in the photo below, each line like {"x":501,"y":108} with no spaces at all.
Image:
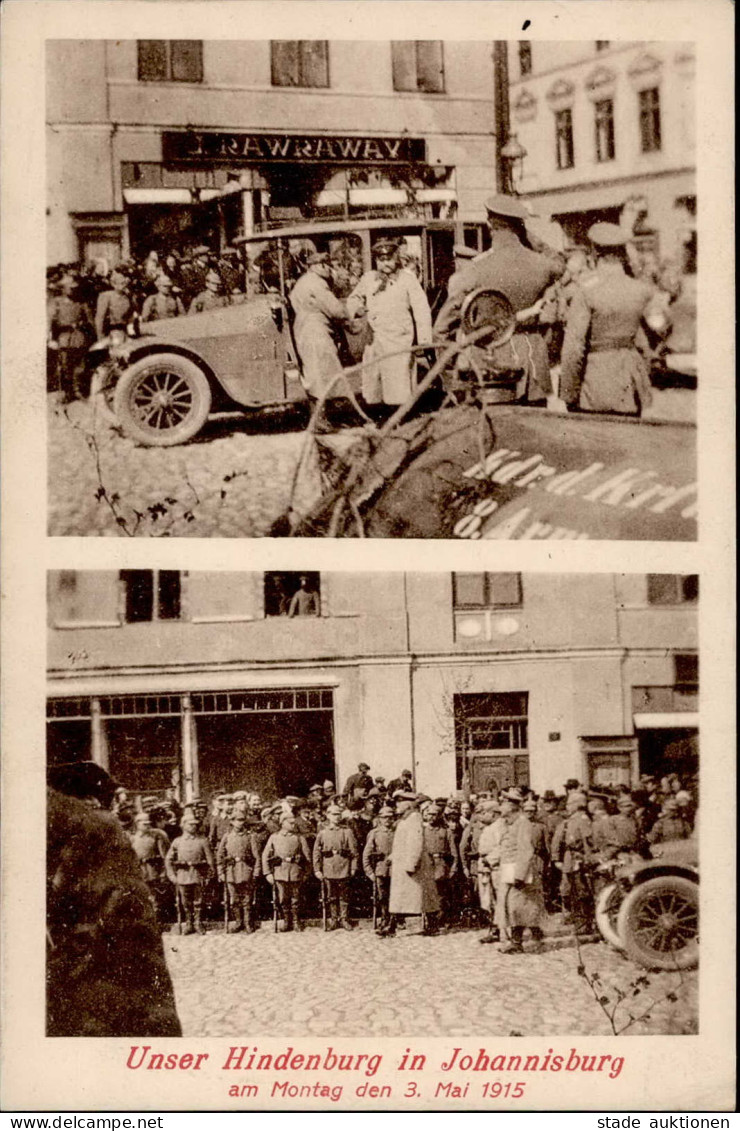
{"x":315,"y":60}
{"x":403,"y":55}
{"x":152,"y":60}
{"x":286,"y":62}
{"x":430,"y":66}
{"x":187,"y":60}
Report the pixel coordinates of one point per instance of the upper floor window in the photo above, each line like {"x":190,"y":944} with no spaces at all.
{"x":300,"y":62}
{"x":604,"y":128}
{"x":564,"y":139}
{"x":650,"y":119}
{"x":487,"y":590}
{"x":418,"y":65}
{"x":150,"y":595}
{"x":672,"y":588}
{"x":170,"y":60}
{"x":525,"y":57}
{"x":292,"y":594}
{"x":687,"y":671}
{"x":603,"y":44}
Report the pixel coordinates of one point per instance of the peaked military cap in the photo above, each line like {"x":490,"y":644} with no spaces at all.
{"x":507,"y":206}
{"x":607,"y":235}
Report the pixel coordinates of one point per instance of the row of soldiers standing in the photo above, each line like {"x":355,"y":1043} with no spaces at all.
{"x":317,"y":852}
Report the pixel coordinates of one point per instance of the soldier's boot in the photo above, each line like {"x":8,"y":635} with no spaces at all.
{"x":246,"y":915}
{"x":344,"y":915}
{"x":390,"y":928}
{"x":538,"y":944}
{"x":515,"y":945}
{"x":199,"y":927}
{"x":187,"y":925}
{"x":493,"y":934}
{"x":238,"y":922}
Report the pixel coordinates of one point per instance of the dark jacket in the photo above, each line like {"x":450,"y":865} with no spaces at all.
{"x":106,"y":974}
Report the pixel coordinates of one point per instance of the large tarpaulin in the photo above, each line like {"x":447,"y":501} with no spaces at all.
{"x":512,"y":472}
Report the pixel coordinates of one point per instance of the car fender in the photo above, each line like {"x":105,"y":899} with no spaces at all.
{"x":139,"y":348}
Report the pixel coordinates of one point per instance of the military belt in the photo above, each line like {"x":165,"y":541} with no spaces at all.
{"x":334,"y":852}
{"x":615,"y":344}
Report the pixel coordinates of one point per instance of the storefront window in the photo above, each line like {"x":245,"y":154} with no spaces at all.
{"x":300,"y":62}
{"x":418,"y":65}
{"x":564,"y":139}
{"x":604,"y":126}
{"x":292,"y":594}
{"x":650,"y":119}
{"x":170,"y":60}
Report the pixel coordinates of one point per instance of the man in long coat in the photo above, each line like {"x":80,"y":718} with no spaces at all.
{"x":520,"y":901}
{"x":603,"y":368}
{"x":399,"y":316}
{"x":317,"y":312}
{"x":413,"y":889}
{"x":522,"y":275}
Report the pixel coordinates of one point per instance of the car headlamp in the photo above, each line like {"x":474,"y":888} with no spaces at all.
{"x":117,"y":337}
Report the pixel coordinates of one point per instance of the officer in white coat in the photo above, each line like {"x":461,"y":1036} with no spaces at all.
{"x":398,"y":314}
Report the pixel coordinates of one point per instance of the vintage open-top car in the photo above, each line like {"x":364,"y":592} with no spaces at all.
{"x":650,"y":908}
{"x":163,"y":380}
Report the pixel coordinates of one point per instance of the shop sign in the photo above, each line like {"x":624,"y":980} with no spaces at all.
{"x":193,"y":147}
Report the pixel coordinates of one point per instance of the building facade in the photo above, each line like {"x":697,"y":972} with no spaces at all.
{"x":206,"y":681}
{"x":606,"y":124}
{"x":175,"y":142}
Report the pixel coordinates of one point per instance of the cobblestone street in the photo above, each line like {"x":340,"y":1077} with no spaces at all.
{"x":350,"y":985}
{"x":233,"y":481}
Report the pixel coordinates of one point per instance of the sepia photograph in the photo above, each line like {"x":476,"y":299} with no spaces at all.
{"x":484,"y":786}
{"x":354,"y":288}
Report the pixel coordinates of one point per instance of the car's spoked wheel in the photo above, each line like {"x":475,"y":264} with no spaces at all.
{"x":163,"y":400}
{"x":659,"y":923}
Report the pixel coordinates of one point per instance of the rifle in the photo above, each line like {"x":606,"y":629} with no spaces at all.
{"x":226,"y":906}
{"x":275,"y":903}
{"x":179,"y":909}
{"x":323,"y":904}
{"x":375,"y":903}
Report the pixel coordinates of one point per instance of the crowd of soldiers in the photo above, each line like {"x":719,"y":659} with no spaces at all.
{"x":505,"y":861}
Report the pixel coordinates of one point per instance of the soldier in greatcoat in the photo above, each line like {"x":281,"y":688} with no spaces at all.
{"x":413,"y":890}
{"x":286,"y":861}
{"x":70,"y":335}
{"x":335,"y":859}
{"x":574,"y":855}
{"x":603,"y":367}
{"x":490,"y":821}
{"x":522,"y":275}
{"x":398,"y":314}
{"x":520,"y":901}
{"x":238,"y":863}
{"x":318,"y":315}
{"x":190,"y":865}
{"x":150,"y":846}
{"x":376,"y":864}
{"x":440,"y":844}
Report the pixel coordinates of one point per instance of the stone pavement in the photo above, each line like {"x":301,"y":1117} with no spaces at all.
{"x":233,"y":480}
{"x":348,"y":985}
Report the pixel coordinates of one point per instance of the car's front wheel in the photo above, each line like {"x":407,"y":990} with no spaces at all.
{"x":162,"y":400}
{"x":102,"y":394}
{"x":658,"y":923}
{"x":606,"y":912}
